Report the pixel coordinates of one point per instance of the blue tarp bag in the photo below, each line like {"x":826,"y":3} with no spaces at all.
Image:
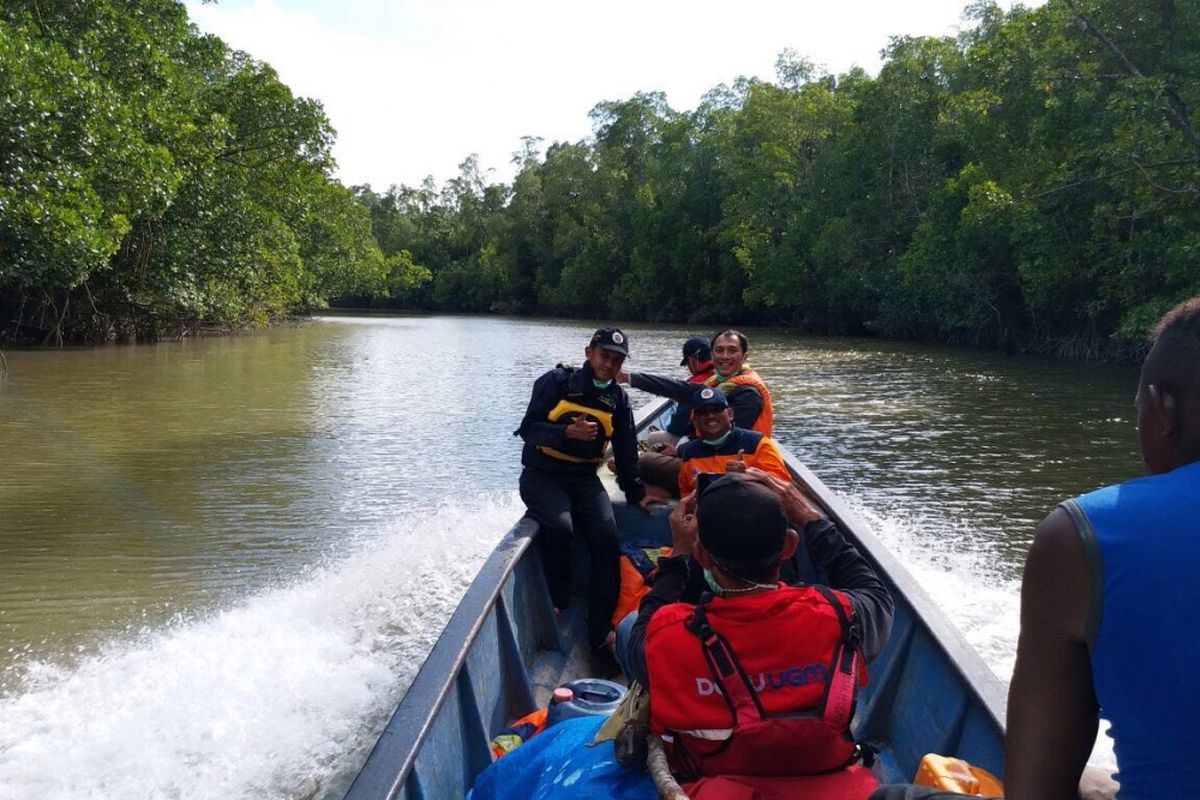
{"x":560,"y":763}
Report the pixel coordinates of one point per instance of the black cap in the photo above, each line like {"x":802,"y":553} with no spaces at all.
{"x":611,"y":339}
{"x":740,"y":519}
{"x":694,"y":345}
{"x":708,"y":396}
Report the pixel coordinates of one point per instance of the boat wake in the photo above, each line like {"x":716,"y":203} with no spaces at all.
{"x":264,"y":699}
{"x":965,"y":579}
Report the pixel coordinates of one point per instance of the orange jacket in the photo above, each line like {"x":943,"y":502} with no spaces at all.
{"x":752,"y":447}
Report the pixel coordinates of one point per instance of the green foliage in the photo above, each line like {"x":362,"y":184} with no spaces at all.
{"x":152,"y":179}
{"x":1031,"y":183}
{"x":1024,"y":184}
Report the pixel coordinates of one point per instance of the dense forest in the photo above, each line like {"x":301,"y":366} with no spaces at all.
{"x":1032,"y":183}
{"x":152,"y":181}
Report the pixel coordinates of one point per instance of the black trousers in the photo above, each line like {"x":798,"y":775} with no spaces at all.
{"x":566,"y":506}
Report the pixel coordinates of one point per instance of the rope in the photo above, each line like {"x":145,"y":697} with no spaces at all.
{"x":660,"y":772}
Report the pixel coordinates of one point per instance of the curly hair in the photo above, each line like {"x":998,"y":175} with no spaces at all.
{"x":1173,"y":363}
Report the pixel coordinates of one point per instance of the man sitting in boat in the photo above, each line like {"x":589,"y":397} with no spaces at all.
{"x":660,"y":465}
{"x":754,"y":685}
{"x":1107,"y":606}
{"x":722,"y":446}
{"x":571,"y":417}
{"x":748,"y":395}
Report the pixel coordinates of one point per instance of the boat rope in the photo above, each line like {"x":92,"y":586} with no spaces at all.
{"x":660,"y":771}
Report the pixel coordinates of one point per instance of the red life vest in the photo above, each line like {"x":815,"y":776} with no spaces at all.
{"x":730,"y":701}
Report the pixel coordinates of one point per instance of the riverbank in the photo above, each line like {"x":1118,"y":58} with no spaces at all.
{"x":105,"y":329}
{"x":1091,"y":348}
{"x":76,"y":319}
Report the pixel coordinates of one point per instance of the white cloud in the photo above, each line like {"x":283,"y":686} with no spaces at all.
{"x":413,"y":87}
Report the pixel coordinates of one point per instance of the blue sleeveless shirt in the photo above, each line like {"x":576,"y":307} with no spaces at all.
{"x":1142,"y":539}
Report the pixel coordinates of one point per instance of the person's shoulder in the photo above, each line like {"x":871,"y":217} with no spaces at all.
{"x":748,"y":439}
{"x":1058,"y":573}
{"x":667,"y":615}
{"x":691,"y":449}
{"x":557,"y":376}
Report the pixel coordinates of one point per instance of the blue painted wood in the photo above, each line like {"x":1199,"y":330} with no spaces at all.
{"x":504,"y":648}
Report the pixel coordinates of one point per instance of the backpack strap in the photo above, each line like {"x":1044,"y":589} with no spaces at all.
{"x":838,"y":705}
{"x":727,"y":672}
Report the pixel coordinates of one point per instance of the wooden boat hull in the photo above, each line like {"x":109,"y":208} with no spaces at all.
{"x":504,"y":650}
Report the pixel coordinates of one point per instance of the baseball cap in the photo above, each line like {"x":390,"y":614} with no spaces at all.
{"x":708,"y":396}
{"x":611,"y":339}
{"x":692,"y":346}
{"x":740,"y":519}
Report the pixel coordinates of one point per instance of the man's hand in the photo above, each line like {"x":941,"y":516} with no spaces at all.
{"x":622,"y":376}
{"x":582,"y":428}
{"x":683,"y":526}
{"x":799,"y":507}
{"x":738,"y":466}
{"x":651,"y":500}
{"x":612,"y":465}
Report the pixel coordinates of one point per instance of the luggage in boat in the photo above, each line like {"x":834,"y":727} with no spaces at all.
{"x":956,"y":775}
{"x":586,"y":697}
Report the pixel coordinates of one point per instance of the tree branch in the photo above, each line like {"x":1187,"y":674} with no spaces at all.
{"x":1177,"y":111}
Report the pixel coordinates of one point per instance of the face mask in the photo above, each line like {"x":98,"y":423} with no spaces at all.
{"x":713,"y":586}
{"x":720,"y":440}
{"x":720,"y":591}
{"x":601,"y":384}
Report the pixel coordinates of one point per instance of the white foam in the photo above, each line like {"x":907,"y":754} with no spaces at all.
{"x":262,"y":700}
{"x":962,"y":574}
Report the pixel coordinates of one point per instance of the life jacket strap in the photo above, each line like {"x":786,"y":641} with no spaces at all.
{"x":838,"y":705}
{"x":550,"y":451}
{"x":727,"y":672}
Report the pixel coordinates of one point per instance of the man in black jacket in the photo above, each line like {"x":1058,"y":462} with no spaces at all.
{"x":572,"y":416}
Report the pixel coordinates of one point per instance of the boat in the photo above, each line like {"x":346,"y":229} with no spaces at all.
{"x":505,"y":650}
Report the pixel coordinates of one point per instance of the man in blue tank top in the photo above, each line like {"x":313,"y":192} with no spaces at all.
{"x":1109,"y":624}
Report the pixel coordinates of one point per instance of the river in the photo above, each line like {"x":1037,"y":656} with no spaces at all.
{"x":222,"y":560}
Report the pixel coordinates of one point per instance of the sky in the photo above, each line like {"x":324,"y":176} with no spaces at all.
{"x":414,"y":86}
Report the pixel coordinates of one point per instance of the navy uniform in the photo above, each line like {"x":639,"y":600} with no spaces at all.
{"x":559,"y":483}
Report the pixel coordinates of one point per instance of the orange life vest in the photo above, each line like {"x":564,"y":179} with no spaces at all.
{"x":636,"y":570}
{"x":748,"y":377}
{"x":729,"y":700}
{"x":752,"y":447}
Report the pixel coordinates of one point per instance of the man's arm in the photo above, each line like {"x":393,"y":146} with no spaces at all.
{"x":747,"y":404}
{"x":680,"y":391}
{"x":848,"y":571}
{"x":852,"y":574}
{"x":624,"y":443}
{"x":687,"y":484}
{"x":1052,"y":708}
{"x":535,"y":429}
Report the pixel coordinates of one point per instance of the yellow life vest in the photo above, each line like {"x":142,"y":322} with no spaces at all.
{"x":567,"y":410}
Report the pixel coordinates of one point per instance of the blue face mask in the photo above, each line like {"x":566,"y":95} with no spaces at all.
{"x":601,"y":384}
